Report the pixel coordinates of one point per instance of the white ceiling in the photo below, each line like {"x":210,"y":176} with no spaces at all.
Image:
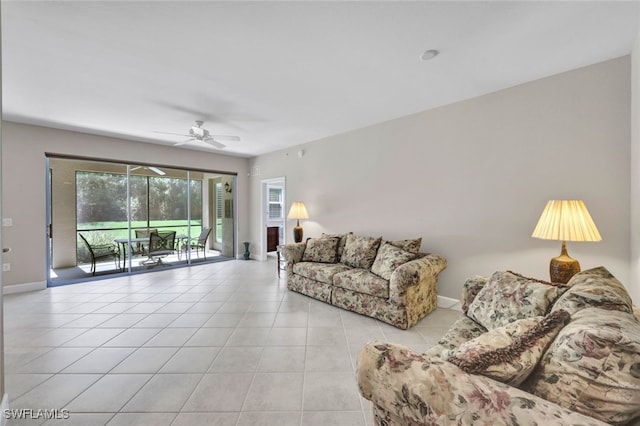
{"x":279,"y":74}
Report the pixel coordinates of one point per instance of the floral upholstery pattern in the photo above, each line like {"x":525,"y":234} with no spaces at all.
{"x":593,"y":366}
{"x":470,"y":290}
{"x":371,"y":306}
{"x":409,"y":388}
{"x":362,"y":281}
{"x":464,"y":329}
{"x":412,"y":246}
{"x":310,"y":288}
{"x":595,"y":288}
{"x":323,"y":250}
{"x":341,"y":244}
{"x":292,"y":253}
{"x":407,"y":296}
{"x":388,"y":259}
{"x":588,"y":375}
{"x":360,"y":252}
{"x":510,"y":353}
{"x":320,"y":272}
{"x":508,"y":297}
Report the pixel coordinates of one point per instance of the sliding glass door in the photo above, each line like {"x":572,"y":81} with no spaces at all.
{"x":113,"y":218}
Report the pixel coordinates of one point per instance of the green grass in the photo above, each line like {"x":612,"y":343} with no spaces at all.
{"x":106,"y":232}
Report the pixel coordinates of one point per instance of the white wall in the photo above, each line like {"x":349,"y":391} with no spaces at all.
{"x":634,"y":288}
{"x":472,"y":178}
{"x":24,"y":176}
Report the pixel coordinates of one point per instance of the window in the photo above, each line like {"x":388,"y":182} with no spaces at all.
{"x":275,"y":208}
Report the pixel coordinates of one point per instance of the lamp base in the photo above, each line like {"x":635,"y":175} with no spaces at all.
{"x":563,"y":267}
{"x":297,"y":234}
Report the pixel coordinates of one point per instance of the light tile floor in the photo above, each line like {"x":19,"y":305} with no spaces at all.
{"x":217,"y":344}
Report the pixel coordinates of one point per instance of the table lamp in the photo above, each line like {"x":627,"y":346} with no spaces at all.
{"x":298,"y":211}
{"x":565,"y":220}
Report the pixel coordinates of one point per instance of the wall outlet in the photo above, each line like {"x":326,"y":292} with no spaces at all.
{"x":6,"y":267}
{"x":7,"y":221}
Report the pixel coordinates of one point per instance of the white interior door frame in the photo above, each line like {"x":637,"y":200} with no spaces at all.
{"x":264,"y":184}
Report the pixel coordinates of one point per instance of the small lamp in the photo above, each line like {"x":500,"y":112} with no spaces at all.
{"x":298,"y":211}
{"x":565,"y":220}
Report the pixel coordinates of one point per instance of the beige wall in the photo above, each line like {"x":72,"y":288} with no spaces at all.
{"x":472,"y":178}
{"x":24,"y":177}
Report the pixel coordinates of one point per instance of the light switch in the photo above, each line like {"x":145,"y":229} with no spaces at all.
{"x":7,"y":221}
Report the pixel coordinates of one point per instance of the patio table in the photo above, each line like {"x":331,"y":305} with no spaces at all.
{"x":124,"y":242}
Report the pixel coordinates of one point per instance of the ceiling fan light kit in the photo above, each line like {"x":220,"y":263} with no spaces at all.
{"x":199,"y":133}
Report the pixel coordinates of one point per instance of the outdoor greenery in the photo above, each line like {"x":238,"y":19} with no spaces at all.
{"x":156,"y":202}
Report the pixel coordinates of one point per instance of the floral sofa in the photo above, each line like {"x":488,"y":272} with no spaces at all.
{"x":388,"y":280}
{"x":524,"y":352}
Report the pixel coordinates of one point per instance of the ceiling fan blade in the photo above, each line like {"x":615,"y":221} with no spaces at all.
{"x":215,"y":144}
{"x":174,"y":134}
{"x":226,"y":138}
{"x":157,"y":170}
{"x":183,"y":142}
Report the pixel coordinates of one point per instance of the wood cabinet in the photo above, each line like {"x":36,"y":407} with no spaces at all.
{"x":273,"y":238}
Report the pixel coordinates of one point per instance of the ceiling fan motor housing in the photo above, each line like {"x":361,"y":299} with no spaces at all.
{"x":199,"y":132}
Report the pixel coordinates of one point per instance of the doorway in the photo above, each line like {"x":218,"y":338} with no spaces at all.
{"x":272,"y":234}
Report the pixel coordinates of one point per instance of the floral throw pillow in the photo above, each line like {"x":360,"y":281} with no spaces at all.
{"x":412,"y":246}
{"x":323,"y":250}
{"x":360,"y":252}
{"x":388,"y":259}
{"x":508,"y":297}
{"x":510,"y":353}
{"x":343,"y":241}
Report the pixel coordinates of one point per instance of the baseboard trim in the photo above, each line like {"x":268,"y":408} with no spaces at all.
{"x":4,"y":407}
{"x":23,"y":288}
{"x":449,"y":303}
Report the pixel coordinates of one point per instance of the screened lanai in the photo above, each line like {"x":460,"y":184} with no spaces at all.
{"x":108,"y":217}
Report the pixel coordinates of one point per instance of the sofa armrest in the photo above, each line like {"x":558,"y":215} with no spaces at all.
{"x":292,"y":253}
{"x":424,"y":389}
{"x":470,"y":290}
{"x":414,"y":272}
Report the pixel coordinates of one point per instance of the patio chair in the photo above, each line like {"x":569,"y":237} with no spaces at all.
{"x":100,"y":252}
{"x":142,"y":247}
{"x":161,"y":244}
{"x":199,"y":243}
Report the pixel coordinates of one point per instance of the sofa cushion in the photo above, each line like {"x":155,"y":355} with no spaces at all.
{"x":463,"y":330}
{"x":388,"y":259}
{"x":594,"y":288}
{"x":362,"y":281}
{"x":322,"y":272}
{"x":510,"y":353}
{"x":343,"y":241}
{"x":323,"y":250}
{"x":360,"y":252}
{"x":593,"y":366}
{"x":508,"y":296}
{"x":412,"y":246}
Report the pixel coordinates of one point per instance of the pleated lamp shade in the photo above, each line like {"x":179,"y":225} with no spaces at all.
{"x":566,"y":220}
{"x":298,"y":211}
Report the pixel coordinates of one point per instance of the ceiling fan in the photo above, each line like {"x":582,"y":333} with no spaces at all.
{"x":153,"y":169}
{"x":199,"y":133}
